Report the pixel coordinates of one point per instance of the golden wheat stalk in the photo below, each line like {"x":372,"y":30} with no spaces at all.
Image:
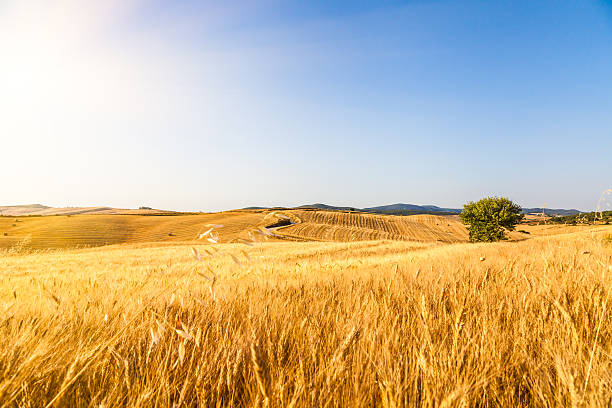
{"x":258,"y":364}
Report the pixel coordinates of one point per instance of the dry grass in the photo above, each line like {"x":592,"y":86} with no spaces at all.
{"x":37,"y":209}
{"x":62,"y":231}
{"x":555,"y":229}
{"x":89,"y":230}
{"x":346,"y":227}
{"x":374,"y":323}
{"x":95,"y":230}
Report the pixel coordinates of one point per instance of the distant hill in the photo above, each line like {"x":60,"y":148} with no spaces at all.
{"x":392,"y":209}
{"x":551,"y":211}
{"x":320,"y":206}
{"x":582,"y":218}
{"x":413,"y":209}
{"x":39,"y":209}
{"x":21,"y":209}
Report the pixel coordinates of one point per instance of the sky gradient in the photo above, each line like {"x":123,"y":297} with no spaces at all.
{"x":191,"y":105}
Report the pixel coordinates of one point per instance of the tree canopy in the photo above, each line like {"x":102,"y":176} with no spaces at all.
{"x":488,"y":220}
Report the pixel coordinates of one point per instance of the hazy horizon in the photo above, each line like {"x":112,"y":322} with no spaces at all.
{"x":200,"y":106}
{"x":271,"y":206}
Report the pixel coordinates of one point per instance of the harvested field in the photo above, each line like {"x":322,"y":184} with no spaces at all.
{"x":354,"y":226}
{"x":95,"y":230}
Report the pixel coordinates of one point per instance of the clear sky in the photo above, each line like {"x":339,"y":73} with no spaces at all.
{"x":214,"y":105}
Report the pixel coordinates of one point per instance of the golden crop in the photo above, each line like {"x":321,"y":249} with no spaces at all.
{"x":310,"y":324}
{"x":84,"y":230}
{"x":346,"y":227}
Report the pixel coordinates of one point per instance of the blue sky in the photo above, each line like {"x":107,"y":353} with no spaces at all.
{"x":206,"y":106}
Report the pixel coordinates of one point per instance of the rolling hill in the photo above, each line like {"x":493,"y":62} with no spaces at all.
{"x":396,"y":209}
{"x":39,"y":209}
{"x":353,"y":226}
{"x":97,"y":226}
{"x":413,"y":209}
{"x":90,"y":229}
{"x":551,"y":212}
{"x":65,"y":231}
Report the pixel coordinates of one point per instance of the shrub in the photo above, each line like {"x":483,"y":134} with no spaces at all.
{"x":488,"y":219}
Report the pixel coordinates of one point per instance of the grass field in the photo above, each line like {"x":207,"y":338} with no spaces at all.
{"x":346,"y":227}
{"x":89,"y":230}
{"x":62,"y":231}
{"x":387,"y":323}
{"x":42,"y":210}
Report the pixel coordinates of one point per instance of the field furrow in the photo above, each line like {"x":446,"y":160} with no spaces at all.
{"x":351,"y":226}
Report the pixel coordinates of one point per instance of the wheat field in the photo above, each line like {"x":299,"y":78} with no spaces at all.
{"x":387,"y":323}
{"x":87,"y":230}
{"x":91,"y":230}
{"x":351,"y":226}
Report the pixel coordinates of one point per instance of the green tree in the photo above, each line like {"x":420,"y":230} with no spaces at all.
{"x":488,"y":219}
